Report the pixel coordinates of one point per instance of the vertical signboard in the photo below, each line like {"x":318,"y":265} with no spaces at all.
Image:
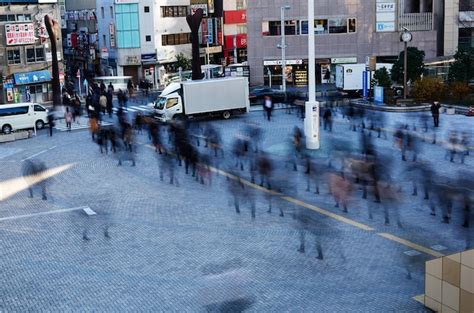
{"x":210,"y":31}
{"x":112,"y":35}
{"x":385,"y":15}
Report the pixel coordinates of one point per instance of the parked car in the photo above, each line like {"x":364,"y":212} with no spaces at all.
{"x":22,"y":116}
{"x":257,"y":95}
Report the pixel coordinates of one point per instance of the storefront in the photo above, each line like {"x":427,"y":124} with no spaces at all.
{"x":235,"y":43}
{"x":28,"y":87}
{"x":296,"y":73}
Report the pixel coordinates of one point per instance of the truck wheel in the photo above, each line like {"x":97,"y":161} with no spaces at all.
{"x":226,"y":115}
{"x":6,"y":129}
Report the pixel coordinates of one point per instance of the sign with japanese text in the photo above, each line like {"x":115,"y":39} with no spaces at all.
{"x":385,"y":15}
{"x":112,"y":35}
{"x":235,"y":17}
{"x":20,"y":34}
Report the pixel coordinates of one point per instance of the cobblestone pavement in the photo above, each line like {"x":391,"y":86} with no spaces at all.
{"x":153,"y":246}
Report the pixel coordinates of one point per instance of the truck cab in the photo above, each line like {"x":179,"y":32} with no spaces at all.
{"x":169,"y":103}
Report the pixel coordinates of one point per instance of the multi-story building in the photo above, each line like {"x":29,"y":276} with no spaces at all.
{"x":235,"y":31}
{"x":347,"y":31}
{"x":142,"y":38}
{"x":25,"y":51}
{"x":458,"y":25}
{"x":80,"y":39}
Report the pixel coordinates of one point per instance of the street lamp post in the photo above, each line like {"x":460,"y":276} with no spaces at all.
{"x":405,"y":37}
{"x":282,"y":45}
{"x":311,"y":121}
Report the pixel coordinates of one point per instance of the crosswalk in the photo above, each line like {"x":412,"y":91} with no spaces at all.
{"x":77,"y":126}
{"x":135,"y":108}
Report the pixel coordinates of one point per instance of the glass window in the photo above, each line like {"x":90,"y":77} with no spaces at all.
{"x":147,"y":38}
{"x":40,"y":54}
{"x":14,"y":56}
{"x":175,"y":39}
{"x":14,"y":111}
{"x":351,"y":25}
{"x":174,"y":11}
{"x":3,"y":18}
{"x":11,"y":18}
{"x":272,"y":28}
{"x":337,"y":25}
{"x":39,"y":108}
{"x":102,"y":12}
{"x":320,"y":27}
{"x":127,"y":26}
{"x":111,"y":9}
{"x":146,"y":9}
{"x":30,"y":55}
{"x":241,"y":29}
{"x":171,"y":102}
{"x":241,"y":4}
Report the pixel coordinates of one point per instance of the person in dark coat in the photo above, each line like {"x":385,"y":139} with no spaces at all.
{"x":110,"y":105}
{"x":50,"y":123}
{"x":435,"y":113}
{"x":327,"y":118}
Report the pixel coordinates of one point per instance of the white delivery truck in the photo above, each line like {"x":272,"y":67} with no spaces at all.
{"x":349,"y":77}
{"x":223,"y":96}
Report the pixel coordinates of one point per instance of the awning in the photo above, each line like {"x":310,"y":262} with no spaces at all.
{"x":32,"y":77}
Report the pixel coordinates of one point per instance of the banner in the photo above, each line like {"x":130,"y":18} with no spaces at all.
{"x":20,"y":34}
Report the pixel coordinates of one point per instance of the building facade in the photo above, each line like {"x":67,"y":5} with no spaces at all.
{"x":25,"y":51}
{"x":458,"y":25}
{"x":142,"y":39}
{"x":347,"y":31}
{"x":80,"y":39}
{"x":235,"y":31}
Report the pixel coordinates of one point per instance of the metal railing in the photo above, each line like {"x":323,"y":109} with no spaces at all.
{"x":416,"y":21}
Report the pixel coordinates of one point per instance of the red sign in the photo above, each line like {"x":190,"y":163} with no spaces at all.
{"x":235,"y":17}
{"x":241,"y":41}
{"x":20,"y":34}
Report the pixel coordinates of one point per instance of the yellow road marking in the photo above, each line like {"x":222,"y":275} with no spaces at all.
{"x":330,"y":214}
{"x":411,"y":244}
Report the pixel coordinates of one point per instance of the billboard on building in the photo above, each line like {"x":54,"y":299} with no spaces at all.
{"x":235,"y":17}
{"x":20,"y":34}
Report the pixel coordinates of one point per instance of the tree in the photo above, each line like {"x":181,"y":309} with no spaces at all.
{"x":462,"y":70}
{"x":183,"y":62}
{"x":415,"y":65}
{"x":382,"y":78}
{"x":429,"y":89}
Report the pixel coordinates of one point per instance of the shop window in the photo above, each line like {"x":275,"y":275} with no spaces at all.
{"x":35,"y":54}
{"x":466,"y":5}
{"x":337,"y":25}
{"x":14,"y":56}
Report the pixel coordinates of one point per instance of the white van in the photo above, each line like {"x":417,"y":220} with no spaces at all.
{"x":22,"y":116}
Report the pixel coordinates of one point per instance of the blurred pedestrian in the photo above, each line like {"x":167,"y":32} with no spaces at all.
{"x":268,"y":107}
{"x":51,"y":123}
{"x":68,"y":118}
{"x":327,"y":117}
{"x":33,"y":171}
{"x":435,"y":113}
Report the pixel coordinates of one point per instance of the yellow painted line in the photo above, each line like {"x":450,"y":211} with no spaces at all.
{"x":411,"y":244}
{"x":12,"y":186}
{"x":330,"y":214}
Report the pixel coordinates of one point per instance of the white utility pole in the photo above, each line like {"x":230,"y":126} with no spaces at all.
{"x":311,"y":121}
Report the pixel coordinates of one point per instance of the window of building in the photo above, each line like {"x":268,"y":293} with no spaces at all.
{"x":15,"y":18}
{"x":174,"y":11}
{"x":337,"y":25}
{"x":242,"y":29}
{"x":147,"y":9}
{"x":102,"y":12}
{"x":241,"y":4}
{"x":272,"y":28}
{"x":175,"y":39}
{"x":351,"y":25}
{"x":35,"y":54}
{"x":127,"y":26}
{"x":104,"y":40}
{"x":111,"y":9}
{"x":148,"y":38}
{"x":14,"y":56}
{"x":466,"y":5}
